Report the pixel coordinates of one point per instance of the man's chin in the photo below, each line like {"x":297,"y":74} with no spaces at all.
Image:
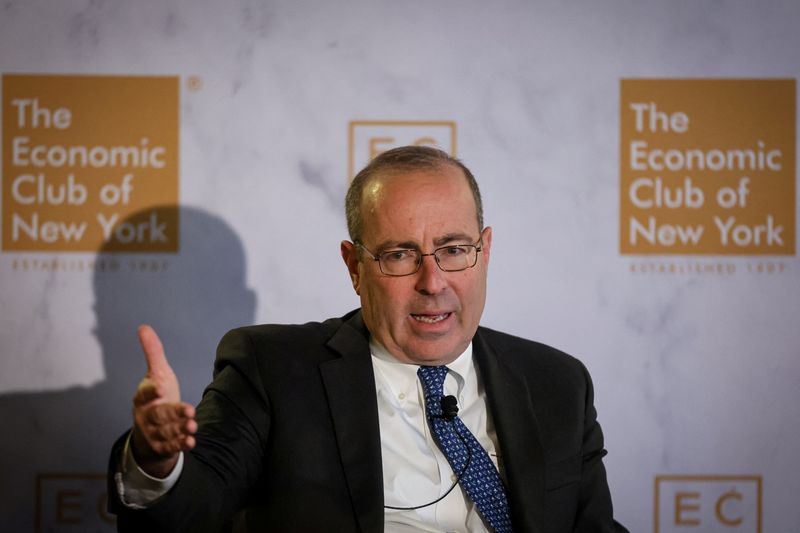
{"x":434,"y":354}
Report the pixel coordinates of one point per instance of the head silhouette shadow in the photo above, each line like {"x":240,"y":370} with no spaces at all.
{"x":191,"y":298}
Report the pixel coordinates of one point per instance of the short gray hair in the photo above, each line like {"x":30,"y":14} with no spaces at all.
{"x":404,"y":158}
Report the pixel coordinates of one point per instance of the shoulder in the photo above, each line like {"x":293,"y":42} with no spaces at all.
{"x":530,"y":357}
{"x":277,"y":335}
{"x":287,"y":344}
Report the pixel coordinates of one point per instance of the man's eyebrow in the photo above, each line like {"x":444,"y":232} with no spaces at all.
{"x":450,"y":238}
{"x":396,"y":245}
{"x":444,"y":240}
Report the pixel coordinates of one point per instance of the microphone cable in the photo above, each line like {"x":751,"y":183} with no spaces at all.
{"x":449,"y":411}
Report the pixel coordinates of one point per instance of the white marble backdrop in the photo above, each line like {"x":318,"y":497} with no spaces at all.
{"x":695,"y":374}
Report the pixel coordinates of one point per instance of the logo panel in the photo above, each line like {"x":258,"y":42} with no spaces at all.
{"x":72,"y":503}
{"x":81,"y":154}
{"x":368,"y":138}
{"x":708,"y":504}
{"x":707,"y":167}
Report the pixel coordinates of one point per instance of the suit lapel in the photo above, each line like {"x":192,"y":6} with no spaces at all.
{"x":350,"y":386}
{"x":518,"y":434}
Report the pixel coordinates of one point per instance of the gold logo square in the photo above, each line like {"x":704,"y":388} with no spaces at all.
{"x":81,"y":154}
{"x":707,"y":166}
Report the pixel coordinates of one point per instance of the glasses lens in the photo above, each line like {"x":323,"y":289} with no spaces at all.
{"x":399,"y":262}
{"x":454,"y":258}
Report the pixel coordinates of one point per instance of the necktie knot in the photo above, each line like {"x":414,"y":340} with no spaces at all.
{"x":432,"y":379}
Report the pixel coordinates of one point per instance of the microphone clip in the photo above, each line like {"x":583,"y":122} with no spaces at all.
{"x":449,"y":405}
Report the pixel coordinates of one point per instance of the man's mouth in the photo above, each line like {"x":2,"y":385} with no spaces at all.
{"x":430,"y":319}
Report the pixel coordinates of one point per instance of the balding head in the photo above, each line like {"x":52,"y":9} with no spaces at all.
{"x":399,"y":160}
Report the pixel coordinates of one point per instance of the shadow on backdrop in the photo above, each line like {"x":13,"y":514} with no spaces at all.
{"x":191,"y":298}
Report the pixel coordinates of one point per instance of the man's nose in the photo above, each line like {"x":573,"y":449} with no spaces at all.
{"x":430,"y":278}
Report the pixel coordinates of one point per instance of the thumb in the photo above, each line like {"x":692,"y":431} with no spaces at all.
{"x":157,"y":364}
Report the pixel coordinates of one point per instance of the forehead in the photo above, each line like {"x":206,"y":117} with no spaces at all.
{"x":419,"y":205}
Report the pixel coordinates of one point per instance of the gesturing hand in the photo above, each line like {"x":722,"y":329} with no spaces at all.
{"x":162,"y":424}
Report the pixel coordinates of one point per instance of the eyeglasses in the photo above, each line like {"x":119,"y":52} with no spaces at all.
{"x":452,"y":258}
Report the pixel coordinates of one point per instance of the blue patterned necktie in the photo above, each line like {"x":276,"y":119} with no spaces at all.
{"x":480,"y":480}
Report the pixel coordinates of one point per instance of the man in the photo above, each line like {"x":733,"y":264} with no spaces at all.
{"x":351,"y":424}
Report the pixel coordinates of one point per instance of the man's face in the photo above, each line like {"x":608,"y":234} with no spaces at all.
{"x":428,"y":317}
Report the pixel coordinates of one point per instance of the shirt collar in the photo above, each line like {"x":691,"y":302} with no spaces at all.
{"x":402,"y":377}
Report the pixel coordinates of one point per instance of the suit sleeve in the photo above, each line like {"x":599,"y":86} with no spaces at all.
{"x":233,"y":427}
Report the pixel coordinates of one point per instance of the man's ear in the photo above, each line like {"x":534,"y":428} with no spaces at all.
{"x":350,"y":256}
{"x":486,"y":238}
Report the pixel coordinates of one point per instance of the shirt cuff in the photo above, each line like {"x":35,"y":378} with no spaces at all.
{"x":136,"y":488}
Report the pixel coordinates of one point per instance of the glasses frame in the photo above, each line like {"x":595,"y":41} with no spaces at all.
{"x":478,"y":245}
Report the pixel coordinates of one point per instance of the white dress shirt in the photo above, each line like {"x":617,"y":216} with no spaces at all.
{"x":415,"y":471}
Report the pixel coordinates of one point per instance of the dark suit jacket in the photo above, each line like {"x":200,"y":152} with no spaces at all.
{"x":289,"y":433}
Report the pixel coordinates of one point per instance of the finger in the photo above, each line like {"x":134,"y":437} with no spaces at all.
{"x":157,"y":414}
{"x":188,"y":410}
{"x":162,"y":445}
{"x":169,"y":440}
{"x":153,"y":351}
{"x":162,"y":414}
{"x":146,"y":392}
{"x":150,"y":390}
{"x":168,"y":448}
{"x":171,"y":434}
{"x":168,"y":433}
{"x":190,"y":427}
{"x":175,"y":446}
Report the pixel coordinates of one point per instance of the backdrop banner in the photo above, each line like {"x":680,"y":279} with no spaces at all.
{"x":184,"y":164}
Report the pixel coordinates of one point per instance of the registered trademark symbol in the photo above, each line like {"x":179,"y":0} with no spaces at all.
{"x":194,"y":83}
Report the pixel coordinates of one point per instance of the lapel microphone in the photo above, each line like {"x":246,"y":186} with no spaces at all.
{"x":449,"y":405}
